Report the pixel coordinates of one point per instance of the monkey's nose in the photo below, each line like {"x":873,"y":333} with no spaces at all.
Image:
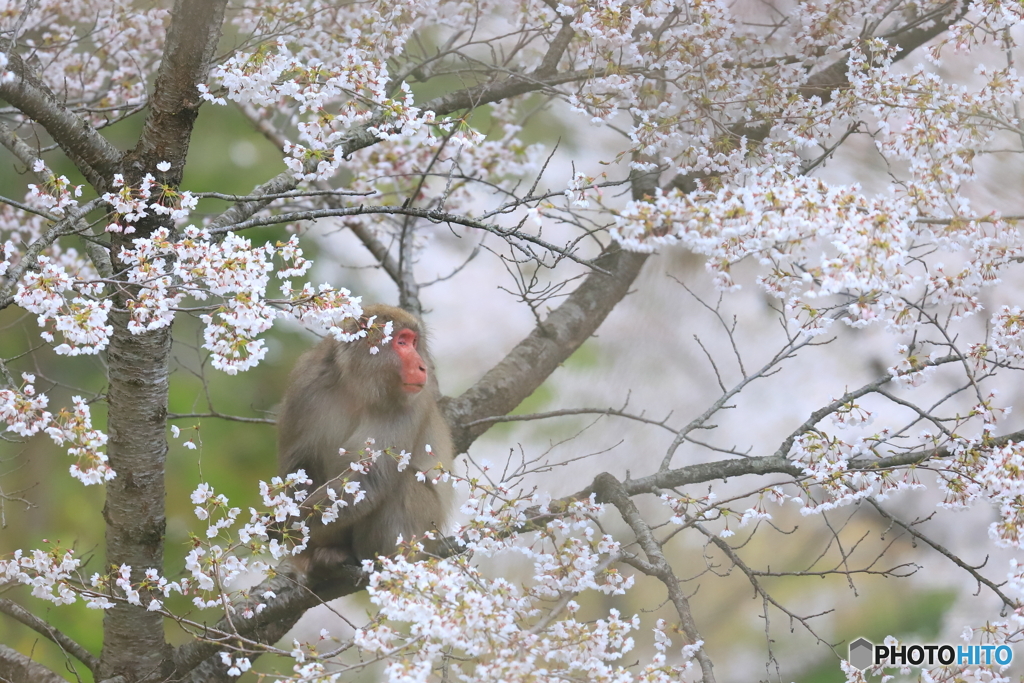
{"x":418,"y":376}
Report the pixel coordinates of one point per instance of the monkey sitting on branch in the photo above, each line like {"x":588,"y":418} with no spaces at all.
{"x":343,"y":401}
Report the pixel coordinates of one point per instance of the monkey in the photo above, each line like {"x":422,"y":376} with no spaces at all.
{"x":340,"y":395}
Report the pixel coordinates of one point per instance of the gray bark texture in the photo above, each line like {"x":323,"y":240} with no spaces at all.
{"x":17,"y":668}
{"x":134,"y":645}
{"x":133,"y":638}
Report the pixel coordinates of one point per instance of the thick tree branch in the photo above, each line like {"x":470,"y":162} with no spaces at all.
{"x":549,"y":65}
{"x":533,"y":359}
{"x":773,"y":464}
{"x":133,"y":638}
{"x":94,"y":156}
{"x":565,"y":329}
{"x":26,"y":155}
{"x":17,"y":668}
{"x":16,"y":611}
{"x":719,"y":470}
{"x":196,"y":661}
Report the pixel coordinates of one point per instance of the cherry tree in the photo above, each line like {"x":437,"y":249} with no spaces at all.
{"x":829,"y":163}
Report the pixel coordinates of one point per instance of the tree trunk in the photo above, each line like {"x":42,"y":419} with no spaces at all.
{"x":133,"y":638}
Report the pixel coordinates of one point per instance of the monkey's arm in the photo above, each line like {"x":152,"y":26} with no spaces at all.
{"x":359,"y":501}
{"x":434,"y":433}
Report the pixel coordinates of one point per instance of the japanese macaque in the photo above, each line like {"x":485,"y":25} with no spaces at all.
{"x":340,"y":396}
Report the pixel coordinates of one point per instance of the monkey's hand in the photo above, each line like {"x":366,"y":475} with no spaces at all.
{"x":344,"y":499}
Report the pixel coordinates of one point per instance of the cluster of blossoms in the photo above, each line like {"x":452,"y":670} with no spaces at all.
{"x":167,"y":271}
{"x":54,"y":576}
{"x":56,"y":194}
{"x":23,"y":410}
{"x":940,"y":144}
{"x":979,"y":470}
{"x":59,"y":286}
{"x":1006,"y":340}
{"x":500,"y":630}
{"x":6,"y":252}
{"x":214,"y":564}
{"x":65,"y":304}
{"x":332,"y":86}
{"x":831,"y":483}
{"x":101,"y":72}
{"x":70,"y":305}
{"x":131,"y":204}
{"x":48,"y":573}
{"x":968,"y":470}
{"x":579,"y":185}
{"x":75,"y":428}
{"x":5,"y":75}
{"x":450,"y":605}
{"x":25,"y":413}
{"x":816,"y":241}
{"x":690,"y":510}
{"x":80,"y":320}
{"x":449,"y":154}
{"x":913,"y":369}
{"x":1015,"y":586}
{"x":678,"y":125}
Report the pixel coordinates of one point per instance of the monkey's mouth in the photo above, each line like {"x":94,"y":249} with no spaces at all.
{"x":412,"y":388}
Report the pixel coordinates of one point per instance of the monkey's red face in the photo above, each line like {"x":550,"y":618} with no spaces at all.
{"x":414,"y":370}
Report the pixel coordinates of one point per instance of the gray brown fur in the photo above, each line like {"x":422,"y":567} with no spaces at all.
{"x":339,"y":395}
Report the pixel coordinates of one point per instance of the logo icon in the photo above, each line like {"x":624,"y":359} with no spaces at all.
{"x":861,"y":654}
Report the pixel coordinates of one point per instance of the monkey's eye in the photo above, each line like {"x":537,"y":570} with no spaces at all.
{"x":406,"y":338}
